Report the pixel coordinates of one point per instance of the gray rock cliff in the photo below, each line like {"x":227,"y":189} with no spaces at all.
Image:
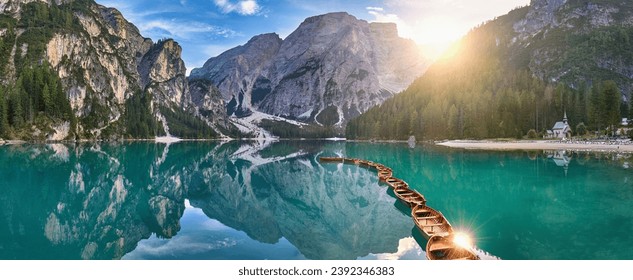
{"x":330,"y":69}
{"x":574,"y":41}
{"x":103,"y":60}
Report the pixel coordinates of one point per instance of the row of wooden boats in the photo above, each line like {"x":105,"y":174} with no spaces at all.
{"x":443,"y":243}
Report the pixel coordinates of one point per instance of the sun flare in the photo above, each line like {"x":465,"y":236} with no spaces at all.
{"x":435,"y":35}
{"x":463,"y":240}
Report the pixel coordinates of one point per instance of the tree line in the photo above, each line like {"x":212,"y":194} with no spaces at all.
{"x":36,"y":96}
{"x":487,"y":107}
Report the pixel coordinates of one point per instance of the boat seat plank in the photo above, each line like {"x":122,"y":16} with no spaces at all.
{"x":434,"y":225}
{"x":441,"y":246}
{"x":421,"y":218}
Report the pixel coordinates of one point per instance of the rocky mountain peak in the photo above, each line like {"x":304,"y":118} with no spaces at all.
{"x":331,"y":68}
{"x":541,"y":14}
{"x":327,"y":28}
{"x":171,"y":46}
{"x":552,"y":33}
{"x":549,"y":5}
{"x":261,"y":43}
{"x":13,"y":6}
{"x":329,"y":18}
{"x":573,"y":15}
{"x":264,"y":38}
{"x":118,"y":23}
{"x":105,"y":68}
{"x":384,"y":29}
{"x":162,"y":62}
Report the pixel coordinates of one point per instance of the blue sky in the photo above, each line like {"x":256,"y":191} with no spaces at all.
{"x":206,"y":28}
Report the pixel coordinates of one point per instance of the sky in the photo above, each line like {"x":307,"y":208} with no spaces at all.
{"x":206,"y":28}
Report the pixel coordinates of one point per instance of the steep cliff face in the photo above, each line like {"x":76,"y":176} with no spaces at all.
{"x":102,"y":61}
{"x":539,"y":16}
{"x":575,"y":41}
{"x":330,"y":69}
{"x":13,"y":6}
{"x":162,"y":72}
{"x":207,"y":101}
{"x":237,"y":71}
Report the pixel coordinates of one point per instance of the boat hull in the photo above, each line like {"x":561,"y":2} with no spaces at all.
{"x":444,"y":248}
{"x":430,"y":222}
{"x":410,"y":197}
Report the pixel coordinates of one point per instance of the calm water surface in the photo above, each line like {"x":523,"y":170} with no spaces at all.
{"x":251,"y":200}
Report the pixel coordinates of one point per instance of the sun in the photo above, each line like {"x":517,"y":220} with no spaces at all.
{"x":435,"y":35}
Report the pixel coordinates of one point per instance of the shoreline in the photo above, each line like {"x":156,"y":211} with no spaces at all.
{"x":489,"y":145}
{"x":169,"y":140}
{"x":625,"y":147}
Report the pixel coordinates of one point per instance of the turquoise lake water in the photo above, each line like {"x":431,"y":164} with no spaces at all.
{"x":253,"y":200}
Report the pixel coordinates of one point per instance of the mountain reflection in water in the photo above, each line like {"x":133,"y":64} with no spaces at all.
{"x":240,"y":200}
{"x":255,"y":200}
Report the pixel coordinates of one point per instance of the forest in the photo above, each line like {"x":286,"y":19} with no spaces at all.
{"x":485,"y":87}
{"x":482,"y":107}
{"x":36,"y":97}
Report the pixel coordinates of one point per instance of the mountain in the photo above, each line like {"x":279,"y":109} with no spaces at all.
{"x":574,"y":41}
{"x":519,"y":72}
{"x":330,"y":69}
{"x":76,"y":69}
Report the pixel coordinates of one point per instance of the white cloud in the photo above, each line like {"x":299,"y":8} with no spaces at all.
{"x":408,"y":248}
{"x":186,"y":30}
{"x":379,"y":9}
{"x":249,"y":7}
{"x":242,"y":7}
{"x":133,"y":13}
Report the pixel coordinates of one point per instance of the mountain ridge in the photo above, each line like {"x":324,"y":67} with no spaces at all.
{"x":330,"y":69}
{"x":118,"y":83}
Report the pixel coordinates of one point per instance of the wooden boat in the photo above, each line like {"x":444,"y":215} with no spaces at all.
{"x":384,"y":173}
{"x":381,"y":167}
{"x":430,"y":221}
{"x":332,"y":159}
{"x":372,"y":164}
{"x":396,"y":183}
{"x":445,"y":248}
{"x":409,"y":196}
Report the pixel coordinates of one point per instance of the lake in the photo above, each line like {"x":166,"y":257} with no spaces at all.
{"x":275,"y":200}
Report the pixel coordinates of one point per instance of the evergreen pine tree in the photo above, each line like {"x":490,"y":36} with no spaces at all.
{"x":4,"y":121}
{"x":47,"y":100}
{"x":611,"y":104}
